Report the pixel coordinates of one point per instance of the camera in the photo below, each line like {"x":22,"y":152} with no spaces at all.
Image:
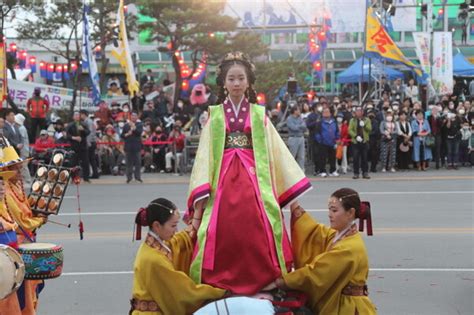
{"x":291,"y":86}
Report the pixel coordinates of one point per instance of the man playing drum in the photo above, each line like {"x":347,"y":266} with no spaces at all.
{"x":17,"y":226}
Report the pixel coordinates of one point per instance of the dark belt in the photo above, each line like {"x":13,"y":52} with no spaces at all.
{"x":144,"y":306}
{"x":237,"y":140}
{"x":355,"y":290}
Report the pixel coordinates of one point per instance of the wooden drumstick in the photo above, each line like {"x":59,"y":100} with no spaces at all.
{"x":59,"y":223}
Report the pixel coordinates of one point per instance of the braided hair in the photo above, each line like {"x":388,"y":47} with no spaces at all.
{"x":230,"y":60}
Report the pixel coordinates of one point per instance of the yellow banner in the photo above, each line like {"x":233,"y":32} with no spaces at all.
{"x":378,"y":42}
{"x":122,"y":52}
{"x":3,"y":73}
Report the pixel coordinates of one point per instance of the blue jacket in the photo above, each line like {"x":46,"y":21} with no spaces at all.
{"x":327,"y":132}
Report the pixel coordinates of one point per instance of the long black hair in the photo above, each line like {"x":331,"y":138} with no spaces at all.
{"x":232,"y":59}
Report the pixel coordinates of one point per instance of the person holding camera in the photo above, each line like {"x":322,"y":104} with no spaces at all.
{"x":132,"y":134}
{"x":421,"y":152}
{"x":359,"y":130}
{"x":296,"y":129}
{"x":453,"y":138}
{"x":77,"y":133}
{"x":436,"y":122}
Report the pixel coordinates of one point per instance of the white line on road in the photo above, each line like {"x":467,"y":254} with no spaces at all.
{"x":108,"y":273}
{"x":133,"y":213}
{"x":415,"y":192}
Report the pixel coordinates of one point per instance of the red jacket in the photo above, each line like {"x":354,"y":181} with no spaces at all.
{"x":37,"y":107}
{"x":178,"y":141}
{"x":345,"y":138}
{"x":43,"y":145}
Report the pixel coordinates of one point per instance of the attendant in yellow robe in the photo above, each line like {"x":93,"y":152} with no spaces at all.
{"x":331,"y":262}
{"x":17,"y":218}
{"x":161,"y":284}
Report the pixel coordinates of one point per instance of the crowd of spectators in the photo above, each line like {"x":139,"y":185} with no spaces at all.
{"x":148,"y":133}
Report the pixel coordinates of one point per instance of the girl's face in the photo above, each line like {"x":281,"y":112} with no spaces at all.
{"x":167,"y":230}
{"x":338,"y":216}
{"x":236,"y":81}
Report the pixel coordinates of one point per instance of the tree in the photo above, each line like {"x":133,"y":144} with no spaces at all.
{"x":197,"y":27}
{"x":271,"y":76}
{"x":102,"y":18}
{"x":8,"y":8}
{"x":56,"y":29}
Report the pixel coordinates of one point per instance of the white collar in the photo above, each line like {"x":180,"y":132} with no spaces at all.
{"x":162,"y":243}
{"x":341,"y":234}
{"x":236,"y":108}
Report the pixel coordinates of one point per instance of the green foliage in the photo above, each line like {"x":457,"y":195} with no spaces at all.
{"x":271,"y":76}
{"x":195,"y":26}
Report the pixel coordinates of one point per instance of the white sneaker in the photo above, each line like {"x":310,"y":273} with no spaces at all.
{"x":334,"y":174}
{"x":383,"y":170}
{"x":393,"y":170}
{"x":323,"y":174}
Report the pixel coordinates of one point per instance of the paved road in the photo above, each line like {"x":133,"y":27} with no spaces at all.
{"x":421,"y":256}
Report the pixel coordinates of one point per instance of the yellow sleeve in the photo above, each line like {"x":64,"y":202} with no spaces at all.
{"x":174,"y":291}
{"x":22,"y":214}
{"x":309,"y":239}
{"x":182,"y":247}
{"x":326,"y":275}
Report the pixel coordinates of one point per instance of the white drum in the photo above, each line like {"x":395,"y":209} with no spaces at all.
{"x":238,"y":306}
{"x":12,"y":271}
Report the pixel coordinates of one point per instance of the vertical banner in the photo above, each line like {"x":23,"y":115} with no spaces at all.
{"x":423,"y":47}
{"x":3,"y":73}
{"x":442,"y":75}
{"x":88,"y":59}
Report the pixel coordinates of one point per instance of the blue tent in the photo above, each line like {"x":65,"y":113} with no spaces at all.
{"x":353,"y":73}
{"x":462,"y":67}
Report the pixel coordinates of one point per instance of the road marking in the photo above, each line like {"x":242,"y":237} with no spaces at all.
{"x":414,"y":230}
{"x":112,"y":273}
{"x":134,"y":213}
{"x":415,"y":192}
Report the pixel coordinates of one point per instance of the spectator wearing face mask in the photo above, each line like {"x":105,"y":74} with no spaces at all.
{"x":388,"y":144}
{"x":296,"y":129}
{"x":453,"y":138}
{"x":411,"y":91}
{"x":131,"y":133}
{"x":176,"y":149}
{"x":374,"y":141}
{"x":125,"y":114}
{"x":111,"y":153}
{"x":345,"y":141}
{"x":104,"y":115}
{"x":404,"y":142}
{"x":421,"y":152}
{"x":359,"y":130}
{"x":464,"y":144}
{"x":151,"y":113}
{"x":436,"y":121}
{"x":159,"y":150}
{"x":327,"y":135}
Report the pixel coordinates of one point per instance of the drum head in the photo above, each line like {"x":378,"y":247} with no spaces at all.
{"x":38,"y":246}
{"x":12,"y":271}
{"x":238,"y":305}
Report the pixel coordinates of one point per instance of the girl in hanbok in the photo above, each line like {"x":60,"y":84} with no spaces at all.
{"x":242,"y":177}
{"x":160,"y":282}
{"x":331,"y":262}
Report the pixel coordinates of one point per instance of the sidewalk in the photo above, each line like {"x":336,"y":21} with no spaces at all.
{"x":464,"y":173}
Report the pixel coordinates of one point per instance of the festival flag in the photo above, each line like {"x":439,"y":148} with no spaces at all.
{"x":3,"y":73}
{"x":121,"y":51}
{"x":88,"y":60}
{"x":379,"y":44}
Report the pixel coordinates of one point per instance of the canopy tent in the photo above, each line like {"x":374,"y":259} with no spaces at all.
{"x":462,"y":67}
{"x":353,"y":73}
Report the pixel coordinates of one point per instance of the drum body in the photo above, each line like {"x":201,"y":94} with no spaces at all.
{"x":42,"y":260}
{"x":12,"y":271}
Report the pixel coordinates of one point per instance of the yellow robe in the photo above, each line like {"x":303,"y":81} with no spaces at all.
{"x":158,"y":278}
{"x":322,"y":272}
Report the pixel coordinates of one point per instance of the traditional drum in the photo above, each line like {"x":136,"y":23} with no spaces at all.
{"x":52,"y":174}
{"x":46,"y":189}
{"x":63,"y":176}
{"x":42,"y":260}
{"x":12,"y":271}
{"x":58,"y":159}
{"x":237,"y":305}
{"x":36,"y":186}
{"x":41,"y":172}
